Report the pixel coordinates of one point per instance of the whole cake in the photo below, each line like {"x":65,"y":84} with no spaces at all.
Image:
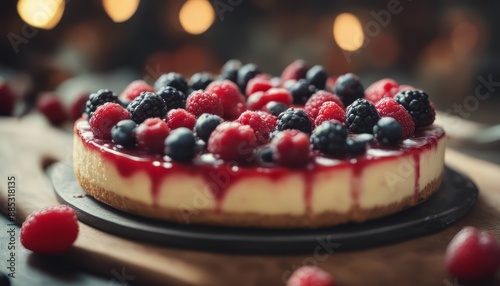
{"x":245,"y":149}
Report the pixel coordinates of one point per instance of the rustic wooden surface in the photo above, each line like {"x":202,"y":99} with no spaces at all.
{"x":27,"y":145}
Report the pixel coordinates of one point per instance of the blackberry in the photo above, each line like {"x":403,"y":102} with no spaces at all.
{"x":206,"y":124}
{"x":329,"y":138}
{"x":361,"y":116}
{"x":97,"y":99}
{"x":317,"y":76}
{"x":180,"y":144}
{"x":246,"y":73}
{"x":416,"y":102}
{"x":173,"y":98}
{"x":123,"y":133}
{"x":388,"y":131}
{"x":200,"y":80}
{"x":172,"y":79}
{"x":147,"y":105}
{"x":348,"y":88}
{"x":301,"y":91}
{"x":294,"y":119}
{"x":275,"y":108}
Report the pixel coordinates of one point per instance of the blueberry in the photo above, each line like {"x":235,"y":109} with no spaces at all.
{"x":275,"y":108}
{"x":172,"y":79}
{"x":200,"y":80}
{"x":123,"y":133}
{"x":301,"y":91}
{"x":317,"y":76}
{"x":348,"y":88}
{"x":388,"y":131}
{"x":173,"y":98}
{"x":246,"y":73}
{"x":266,"y":155}
{"x":355,"y":146}
{"x":180,"y":144}
{"x":206,"y":124}
{"x":230,"y":71}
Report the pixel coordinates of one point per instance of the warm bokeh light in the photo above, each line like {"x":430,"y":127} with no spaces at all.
{"x":347,"y":32}
{"x":196,"y":16}
{"x":120,"y":10}
{"x":44,"y":14}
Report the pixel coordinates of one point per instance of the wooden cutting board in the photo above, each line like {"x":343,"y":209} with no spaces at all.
{"x":27,"y":146}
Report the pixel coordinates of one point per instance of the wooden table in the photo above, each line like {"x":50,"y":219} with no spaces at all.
{"x":27,"y":146}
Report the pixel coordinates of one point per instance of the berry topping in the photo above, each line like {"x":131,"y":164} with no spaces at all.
{"x":233,"y":102}
{"x":417,"y":104}
{"x":317,"y":76}
{"x":232,"y":141}
{"x":172,"y":97}
{"x":388,"y":107}
{"x":383,"y":88}
{"x":472,"y":255}
{"x":151,"y":135}
{"x":405,"y":87}
{"x":257,"y":84}
{"x":230,"y":70}
{"x":316,"y":101}
{"x":329,"y":138}
{"x":245,"y":73}
{"x":310,"y":276}
{"x":294,"y":71}
{"x":180,"y":118}
{"x":200,"y":102}
{"x":123,"y":133}
{"x":294,"y":119}
{"x":99,"y":98}
{"x":51,"y":106}
{"x":134,"y":89}
{"x":388,"y":131}
{"x":206,"y":124}
{"x":270,"y":119}
{"x":258,"y":100}
{"x":361,"y":116}
{"x":105,"y":118}
{"x":200,"y":80}
{"x":301,"y":91}
{"x":291,"y":148}
{"x":275,"y":108}
{"x":328,"y":111}
{"x":147,"y":105}
{"x":266,"y":154}
{"x":180,"y":145}
{"x":348,"y":88}
{"x":7,"y":99}
{"x":50,"y":230}
{"x":78,"y":106}
{"x":357,"y":145}
{"x":174,"y":80}
{"x":258,"y":124}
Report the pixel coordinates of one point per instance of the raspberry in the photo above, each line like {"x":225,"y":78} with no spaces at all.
{"x":294,"y":119}
{"x":97,"y":99}
{"x":301,"y":91}
{"x":50,"y":230}
{"x":233,"y":102}
{"x":180,"y":145}
{"x":172,"y":79}
{"x":246,"y":73}
{"x":180,"y":118}
{"x":294,"y":71}
{"x":314,"y":103}
{"x":389,"y":107}
{"x":472,"y":255}
{"x":232,"y":141}
{"x":329,"y":138}
{"x":257,"y":84}
{"x":151,"y":135}
{"x":200,"y":80}
{"x":275,"y":108}
{"x":206,"y":124}
{"x":134,"y":89}
{"x":258,"y":124}
{"x":328,"y":111}
{"x":383,"y":88}
{"x":416,"y":102}
{"x":317,"y":76}
{"x":147,"y":105}
{"x":105,"y":117}
{"x":258,"y":100}
{"x":388,"y":131}
{"x":172,"y":97}
{"x":51,"y":106}
{"x":361,"y":116}
{"x":348,"y":88}
{"x":310,"y":276}
{"x":78,"y":106}
{"x":7,"y":100}
{"x":270,"y":119}
{"x":200,"y":102}
{"x":291,"y":148}
{"x":123,"y":133}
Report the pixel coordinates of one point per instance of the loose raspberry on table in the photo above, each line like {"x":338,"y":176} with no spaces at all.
{"x":258,"y":124}
{"x":180,"y":118}
{"x":329,"y":138}
{"x":310,"y":276}
{"x":134,"y":89}
{"x":348,"y":88}
{"x":314,"y":103}
{"x":257,"y":84}
{"x":361,"y":116}
{"x":173,"y":98}
{"x":50,"y":230}
{"x":291,"y":148}
{"x":151,"y":135}
{"x":294,"y":118}
{"x":258,"y":100}
{"x":294,"y":71}
{"x":232,"y":141}
{"x":383,"y":88}
{"x":147,"y":105}
{"x":233,"y":102}
{"x":330,"y":111}
{"x":99,"y":98}
{"x":417,"y":103}
{"x":201,"y":101}
{"x":51,"y":106}
{"x":388,"y":107}
{"x":105,"y":118}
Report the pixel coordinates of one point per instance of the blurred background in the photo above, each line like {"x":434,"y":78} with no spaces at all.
{"x":447,"y":48}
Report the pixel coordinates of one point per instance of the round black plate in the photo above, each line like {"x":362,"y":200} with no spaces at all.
{"x":454,"y":198}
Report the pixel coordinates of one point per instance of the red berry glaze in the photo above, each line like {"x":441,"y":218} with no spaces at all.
{"x":233,"y":102}
{"x":388,"y":107}
{"x":310,"y":276}
{"x":151,"y":135}
{"x":383,"y":88}
{"x":134,"y":89}
{"x":201,"y":101}
{"x":258,"y":124}
{"x":258,"y":100}
{"x":7,"y":100}
{"x":314,"y":103}
{"x":78,"y":106}
{"x":270,"y":119}
{"x":180,"y":118}
{"x":257,"y":84}
{"x":294,"y":71}
{"x":291,"y":148}
{"x":472,"y":255}
{"x":328,"y":111}
{"x":105,"y":118}
{"x":51,"y":106}
{"x":50,"y":230}
{"x":232,"y":141}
